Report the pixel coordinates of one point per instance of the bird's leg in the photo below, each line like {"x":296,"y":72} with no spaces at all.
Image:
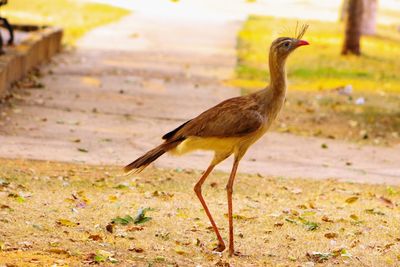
{"x":229,"y":190}
{"x":197,"y":189}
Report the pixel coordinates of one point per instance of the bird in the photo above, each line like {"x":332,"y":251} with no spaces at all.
{"x":230,"y":128}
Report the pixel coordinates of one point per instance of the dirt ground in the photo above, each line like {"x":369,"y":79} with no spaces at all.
{"x":58,"y":214}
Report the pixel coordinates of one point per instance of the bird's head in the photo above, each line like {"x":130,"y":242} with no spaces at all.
{"x":282,"y":47}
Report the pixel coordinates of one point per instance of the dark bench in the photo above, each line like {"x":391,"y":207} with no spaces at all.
{"x":4,"y":23}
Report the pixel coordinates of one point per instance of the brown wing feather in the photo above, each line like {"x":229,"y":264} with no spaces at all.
{"x":232,"y":118}
{"x":173,"y":132}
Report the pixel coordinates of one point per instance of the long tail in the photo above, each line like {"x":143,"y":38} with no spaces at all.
{"x":139,"y":164}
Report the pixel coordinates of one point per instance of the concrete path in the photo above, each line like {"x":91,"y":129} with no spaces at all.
{"x":130,"y":82}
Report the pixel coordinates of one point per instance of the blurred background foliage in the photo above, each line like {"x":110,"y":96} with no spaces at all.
{"x":75,"y":17}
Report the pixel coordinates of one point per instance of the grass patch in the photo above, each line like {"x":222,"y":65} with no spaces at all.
{"x":56,"y":213}
{"x":320,"y":66}
{"x":317,"y":72}
{"x":75,"y":17}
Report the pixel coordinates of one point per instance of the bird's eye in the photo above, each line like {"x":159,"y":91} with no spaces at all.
{"x":286,"y":44}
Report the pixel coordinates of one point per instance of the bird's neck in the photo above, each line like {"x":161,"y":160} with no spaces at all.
{"x":277,"y":76}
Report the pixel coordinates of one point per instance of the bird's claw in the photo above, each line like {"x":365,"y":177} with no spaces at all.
{"x":236,"y":253}
{"x":220,"y":247}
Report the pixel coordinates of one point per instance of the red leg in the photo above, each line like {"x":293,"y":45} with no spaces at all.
{"x":229,"y":190}
{"x":197,"y":189}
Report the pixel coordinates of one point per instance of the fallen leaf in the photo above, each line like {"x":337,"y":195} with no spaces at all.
{"x":96,"y":237}
{"x":123,"y":220}
{"x":326,"y":219}
{"x":3,"y":207}
{"x":112,"y":198}
{"x":373,"y":211}
{"x":221,"y":263}
{"x":292,"y":258}
{"x":163,"y":235}
{"x":345,"y":253}
{"x":58,"y":251}
{"x":110,"y":228}
{"x":4,"y":183}
{"x":391,"y":190}
{"x":213,"y":184}
{"x":159,"y":259}
{"x":319,"y":257}
{"x":141,"y":216}
{"x":67,"y":223}
{"x":180,"y":250}
{"x":311,"y":226}
{"x":240,"y":217}
{"x":354,"y":217}
{"x":331,"y":235}
{"x":290,"y":220}
{"x":136,"y":249}
{"x":122,"y":186}
{"x":351,"y":200}
{"x":308,"y":213}
{"x":25,"y":244}
{"x":387,"y":201}
{"x":134,"y":228}
{"x":102,"y":256}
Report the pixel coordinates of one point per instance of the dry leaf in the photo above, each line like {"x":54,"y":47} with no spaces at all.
{"x":351,"y":200}
{"x":110,"y":227}
{"x":326,"y":219}
{"x":134,"y":228}
{"x":386,"y":201}
{"x":59,"y":251}
{"x":96,"y":237}
{"x":65,"y":222}
{"x":331,"y":235}
{"x":180,"y":250}
{"x":354,"y":217}
{"x":137,"y":250}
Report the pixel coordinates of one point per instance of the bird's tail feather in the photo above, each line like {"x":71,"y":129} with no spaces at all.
{"x":139,"y":164}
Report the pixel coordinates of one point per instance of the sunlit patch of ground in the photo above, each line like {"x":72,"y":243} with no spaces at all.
{"x":55,"y":213}
{"x":331,"y":115}
{"x":318,"y":102}
{"x":75,"y":17}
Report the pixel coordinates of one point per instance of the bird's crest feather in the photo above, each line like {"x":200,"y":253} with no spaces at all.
{"x":299,"y":32}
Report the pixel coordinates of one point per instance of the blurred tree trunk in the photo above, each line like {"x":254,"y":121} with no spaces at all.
{"x":370,"y":8}
{"x":343,"y":10}
{"x":353,"y":22}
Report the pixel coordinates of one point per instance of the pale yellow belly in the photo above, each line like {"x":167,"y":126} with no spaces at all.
{"x":219,"y":145}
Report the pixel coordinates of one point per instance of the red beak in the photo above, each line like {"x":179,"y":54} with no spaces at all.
{"x":302,"y":42}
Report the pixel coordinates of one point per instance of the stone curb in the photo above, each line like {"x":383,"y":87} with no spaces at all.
{"x":38,"y":48}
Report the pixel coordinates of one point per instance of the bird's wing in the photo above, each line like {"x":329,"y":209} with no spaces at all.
{"x":232,"y":118}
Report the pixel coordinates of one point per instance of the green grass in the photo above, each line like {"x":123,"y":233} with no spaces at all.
{"x":319,"y":66}
{"x":76,"y":17}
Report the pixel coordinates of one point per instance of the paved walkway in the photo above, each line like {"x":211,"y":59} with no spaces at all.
{"x":130,"y":82}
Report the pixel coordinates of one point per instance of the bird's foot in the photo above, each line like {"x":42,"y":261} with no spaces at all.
{"x":220,"y":247}
{"x":236,"y":253}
